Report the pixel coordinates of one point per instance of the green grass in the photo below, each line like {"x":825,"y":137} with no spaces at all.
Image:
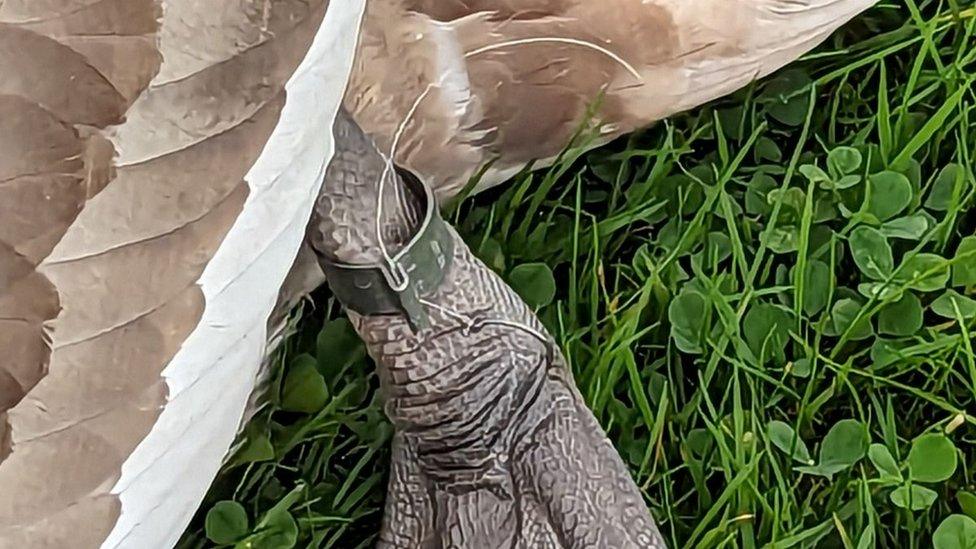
{"x":767,"y":302}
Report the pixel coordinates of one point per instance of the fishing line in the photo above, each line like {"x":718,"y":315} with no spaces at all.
{"x":467,"y":322}
{"x":470,"y":323}
{"x":389,"y":171}
{"x":573,"y":41}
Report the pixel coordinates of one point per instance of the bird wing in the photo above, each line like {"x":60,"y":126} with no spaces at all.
{"x":158,"y":164}
{"x":513,"y":79}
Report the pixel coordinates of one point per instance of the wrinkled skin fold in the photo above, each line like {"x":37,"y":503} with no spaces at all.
{"x":494,"y":446}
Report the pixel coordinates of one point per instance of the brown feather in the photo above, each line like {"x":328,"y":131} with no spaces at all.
{"x":27,"y":301}
{"x":57,"y":78}
{"x":154,"y":156}
{"x":523,"y":101}
{"x":53,"y":158}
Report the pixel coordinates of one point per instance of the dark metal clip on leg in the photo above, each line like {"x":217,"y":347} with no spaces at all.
{"x":415,"y":272}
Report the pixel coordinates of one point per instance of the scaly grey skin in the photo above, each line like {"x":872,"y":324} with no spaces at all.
{"x":494,"y":446}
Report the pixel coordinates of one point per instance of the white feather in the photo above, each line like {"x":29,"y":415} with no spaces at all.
{"x":212,"y":376}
